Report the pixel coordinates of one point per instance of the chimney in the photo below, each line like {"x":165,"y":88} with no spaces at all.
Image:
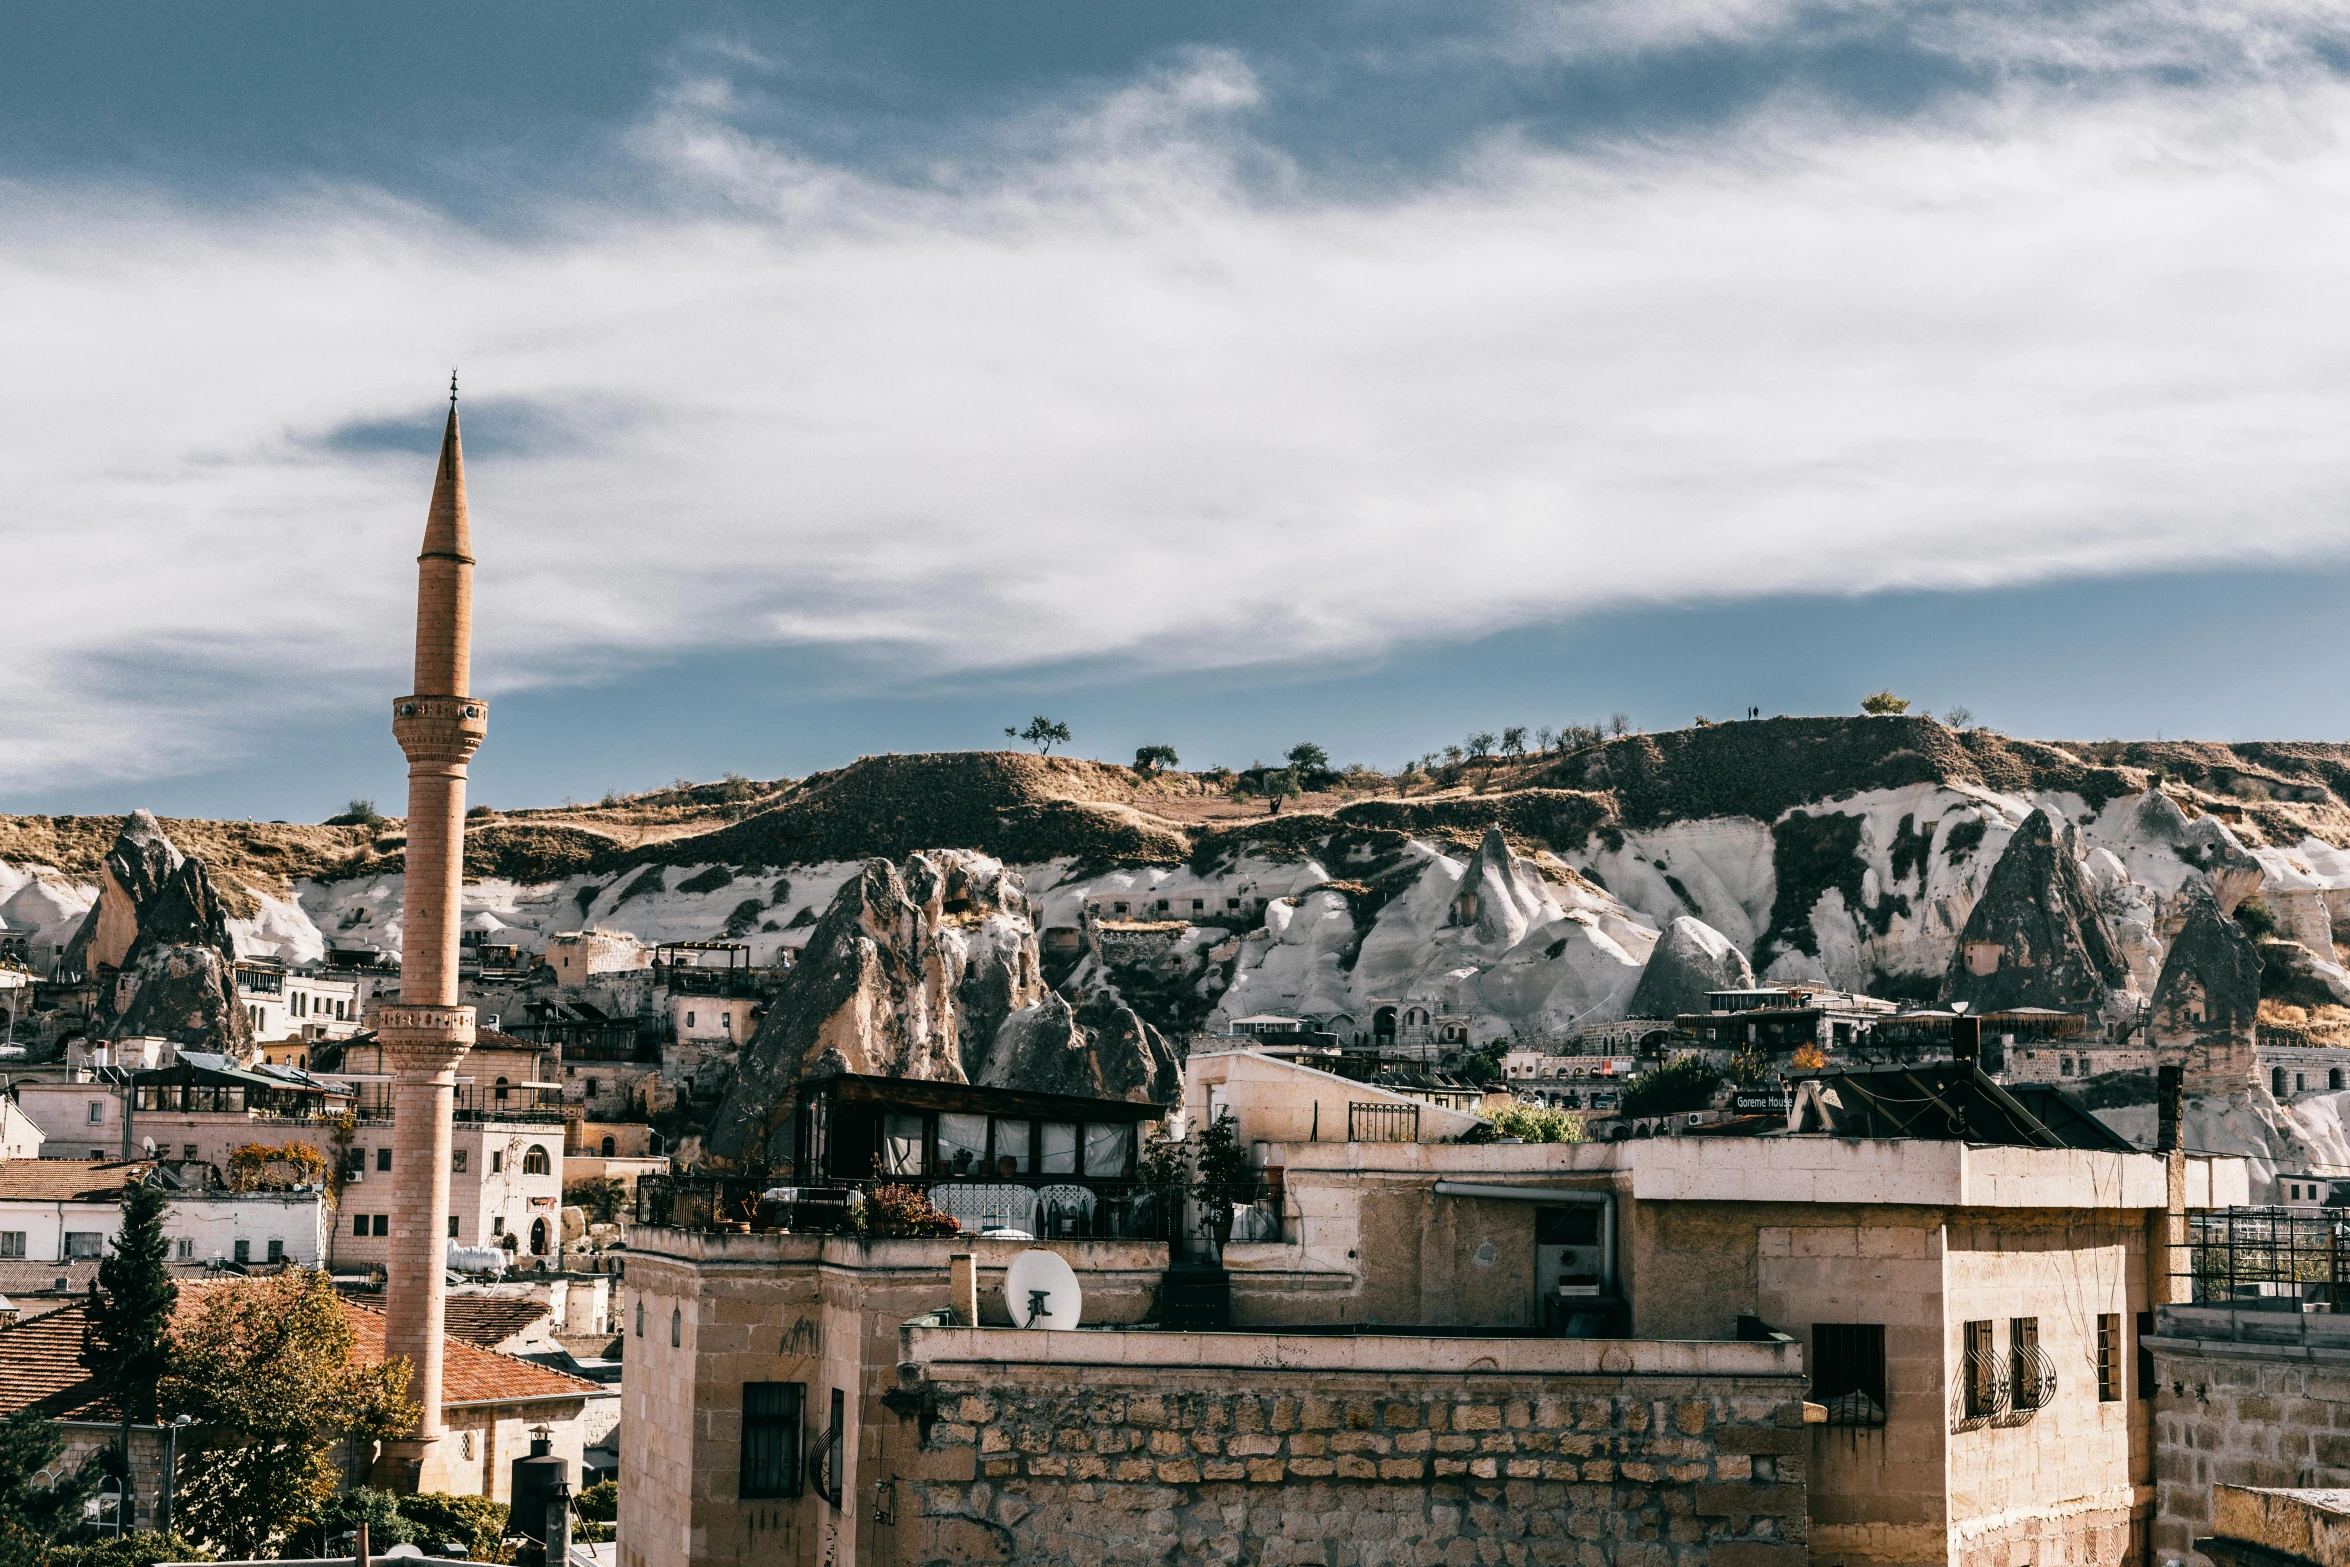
{"x":2170,"y":1098}
{"x":963,"y":1288}
{"x":1966,"y":1040}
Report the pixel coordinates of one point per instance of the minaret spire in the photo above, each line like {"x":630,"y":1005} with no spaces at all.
{"x":428,"y":1033}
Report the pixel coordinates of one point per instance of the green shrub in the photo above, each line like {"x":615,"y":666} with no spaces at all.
{"x":475,"y":1522}
{"x":379,"y":1510}
{"x":1537,"y":1124}
{"x":599,"y":1503}
{"x":143,"y":1549}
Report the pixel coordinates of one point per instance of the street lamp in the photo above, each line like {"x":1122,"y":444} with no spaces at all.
{"x":171,"y":1442}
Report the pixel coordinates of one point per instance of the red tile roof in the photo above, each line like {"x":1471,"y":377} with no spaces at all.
{"x":490,"y":1320}
{"x":39,"y":1365}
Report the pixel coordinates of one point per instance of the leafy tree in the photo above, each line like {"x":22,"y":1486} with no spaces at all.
{"x":599,"y":1503}
{"x":33,"y":1512}
{"x":1453,"y":754}
{"x":1480,"y":745}
{"x":1307,"y":757}
{"x":1683,"y":1083}
{"x":1750,"y":1067}
{"x":1545,"y":737}
{"x":364,"y":810}
{"x":1225,"y":1176}
{"x":1483,"y":1066}
{"x":128,"y":1349}
{"x":1883,"y":704}
{"x":1150,"y":758}
{"x":265,"y":1368}
{"x":1513,"y":740}
{"x":1043,"y":733}
{"x":1278,"y":785}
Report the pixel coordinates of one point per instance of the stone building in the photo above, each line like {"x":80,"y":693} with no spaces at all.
{"x":1468,"y":1347}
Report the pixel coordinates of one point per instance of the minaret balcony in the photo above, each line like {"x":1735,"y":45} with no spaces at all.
{"x":440,"y":728}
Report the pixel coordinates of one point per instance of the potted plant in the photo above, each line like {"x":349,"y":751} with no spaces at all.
{"x":1225,"y":1177}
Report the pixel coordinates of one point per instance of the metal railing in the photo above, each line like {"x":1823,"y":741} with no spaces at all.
{"x":1382,"y":1123}
{"x":1043,"y":1206}
{"x":2272,"y":1259}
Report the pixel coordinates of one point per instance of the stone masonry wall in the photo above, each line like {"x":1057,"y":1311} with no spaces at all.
{"x":1054,"y":1466}
{"x":2228,"y":1412}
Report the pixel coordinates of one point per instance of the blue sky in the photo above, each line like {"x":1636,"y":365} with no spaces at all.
{"x":868,"y":377}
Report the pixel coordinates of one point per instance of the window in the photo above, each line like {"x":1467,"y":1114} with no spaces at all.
{"x":383,"y":1158}
{"x":1162,"y":905}
{"x":1011,"y":1147}
{"x":1199,"y":905}
{"x":2145,"y":1325}
{"x":2276,"y":1085}
{"x":1058,"y":1153}
{"x":497,"y":1160}
{"x":244,"y":1250}
{"x":771,"y":1438}
{"x":962,"y":1143}
{"x":187,"y":1150}
{"x":465,"y":1444}
{"x":2109,"y":1357}
{"x":593,"y":1087}
{"x":2300,"y":1083}
{"x":457,"y":1161}
{"x":498,"y":1224}
{"x":901,"y":1145}
{"x":689,"y":1020}
{"x":187,"y":1249}
{"x":726,"y":1022}
{"x":383,"y":1224}
{"x":831,"y":1459}
{"x":501,"y":1090}
{"x":1121,"y":908}
{"x":12,"y":1243}
{"x":84,"y":1243}
{"x":1848,"y":1371}
{"x":359,"y":1224}
{"x":2032,"y":1380}
{"x":1981,"y":1372}
{"x":1232,"y":903}
{"x":2064,"y":1065}
{"x":534,"y":1160}
{"x":97,"y":1111}
{"x":452,"y":1226}
{"x":676,"y":1327}
{"x":1109,"y":1150}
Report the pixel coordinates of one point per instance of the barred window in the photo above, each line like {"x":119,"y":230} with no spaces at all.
{"x":1981,"y":1372}
{"x":2033,"y":1382}
{"x":2109,"y":1357}
{"x":1848,"y":1371}
{"x":771,"y":1438}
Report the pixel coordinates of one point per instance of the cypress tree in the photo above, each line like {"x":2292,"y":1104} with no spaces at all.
{"x":128,"y":1348}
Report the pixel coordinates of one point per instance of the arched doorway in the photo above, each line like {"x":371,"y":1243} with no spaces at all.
{"x":610,"y":1147}
{"x":538,"y":1237}
{"x":1383,"y":1025}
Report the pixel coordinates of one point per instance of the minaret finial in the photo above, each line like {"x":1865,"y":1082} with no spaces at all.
{"x":452,"y":386}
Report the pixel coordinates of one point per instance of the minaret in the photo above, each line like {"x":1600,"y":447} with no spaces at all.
{"x":428,"y":1033}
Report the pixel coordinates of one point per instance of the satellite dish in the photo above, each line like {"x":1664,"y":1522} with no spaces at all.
{"x":1040,"y":1289}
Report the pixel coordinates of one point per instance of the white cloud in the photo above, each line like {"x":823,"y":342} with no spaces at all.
{"x":1114,"y":387}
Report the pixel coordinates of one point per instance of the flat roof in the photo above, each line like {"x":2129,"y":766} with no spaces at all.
{"x":930,"y":1094}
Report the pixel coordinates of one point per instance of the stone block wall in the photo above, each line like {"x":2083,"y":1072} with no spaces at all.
{"x":2258,"y":1399}
{"x":1076,"y":1466}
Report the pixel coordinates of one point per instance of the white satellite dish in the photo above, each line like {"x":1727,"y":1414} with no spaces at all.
{"x":1040,"y":1290}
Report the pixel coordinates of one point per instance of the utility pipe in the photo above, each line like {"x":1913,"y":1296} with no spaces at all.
{"x":1606,"y":1201}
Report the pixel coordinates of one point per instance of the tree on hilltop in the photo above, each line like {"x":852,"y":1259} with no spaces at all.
{"x":1150,"y":758}
{"x":1619,"y":724}
{"x":1307,"y":757}
{"x":1513,"y":740}
{"x":1883,"y":704}
{"x":1480,"y":745}
{"x":1043,"y":733}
